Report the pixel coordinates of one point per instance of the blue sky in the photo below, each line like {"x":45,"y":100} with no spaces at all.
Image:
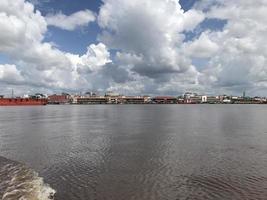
{"x":73,"y":41}
{"x":135,"y":47}
{"x":78,"y":40}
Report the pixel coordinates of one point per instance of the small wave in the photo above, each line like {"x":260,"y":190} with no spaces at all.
{"x":22,"y":183}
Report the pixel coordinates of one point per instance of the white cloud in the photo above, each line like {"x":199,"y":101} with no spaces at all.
{"x":71,"y":22}
{"x":22,"y":33}
{"x":10,"y":74}
{"x":240,"y":61}
{"x":147,"y":37}
{"x":20,"y":25}
{"x":93,"y":60}
{"x":202,"y":47}
{"x":192,"y":18}
{"x":149,"y":34}
{"x":96,"y":56}
{"x":40,"y":64}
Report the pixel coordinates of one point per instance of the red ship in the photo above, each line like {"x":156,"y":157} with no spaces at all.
{"x":22,"y":101}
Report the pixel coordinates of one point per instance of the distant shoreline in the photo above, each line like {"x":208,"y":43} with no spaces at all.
{"x":160,"y":104}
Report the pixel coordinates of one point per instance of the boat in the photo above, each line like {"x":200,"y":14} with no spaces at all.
{"x":19,"y":101}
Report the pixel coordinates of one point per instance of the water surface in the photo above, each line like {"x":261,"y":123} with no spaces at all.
{"x":141,"y":152}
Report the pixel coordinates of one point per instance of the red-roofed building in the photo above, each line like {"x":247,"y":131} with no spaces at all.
{"x":59,"y":99}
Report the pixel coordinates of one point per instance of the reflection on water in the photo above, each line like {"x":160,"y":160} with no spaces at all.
{"x":142,"y":152}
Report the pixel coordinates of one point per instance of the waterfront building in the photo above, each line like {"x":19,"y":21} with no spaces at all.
{"x":213,"y":99}
{"x":115,"y":98}
{"x":132,"y":100}
{"x":164,"y":100}
{"x":204,"y":99}
{"x":191,"y":98}
{"x":112,"y":97}
{"x":180,"y":100}
{"x":147,"y":99}
{"x":73,"y":99}
{"x":92,"y":100}
{"x":195,"y":99}
{"x":59,"y":99}
{"x":226,"y":101}
{"x":189,"y":95}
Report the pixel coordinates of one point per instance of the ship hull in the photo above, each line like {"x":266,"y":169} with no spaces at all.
{"x":22,"y":102}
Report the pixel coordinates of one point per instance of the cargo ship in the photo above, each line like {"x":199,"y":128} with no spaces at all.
{"x":19,"y":101}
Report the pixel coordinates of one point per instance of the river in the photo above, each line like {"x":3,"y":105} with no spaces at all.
{"x":134,"y":152}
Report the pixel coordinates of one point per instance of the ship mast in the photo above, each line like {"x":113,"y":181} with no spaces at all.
{"x":12,"y":94}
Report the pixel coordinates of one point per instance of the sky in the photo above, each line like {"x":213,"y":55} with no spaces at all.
{"x":154,"y":47}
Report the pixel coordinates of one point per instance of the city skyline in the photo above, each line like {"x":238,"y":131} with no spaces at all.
{"x":154,"y":47}
{"x":242,"y":94}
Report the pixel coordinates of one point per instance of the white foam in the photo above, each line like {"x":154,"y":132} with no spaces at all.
{"x":44,"y":191}
{"x":25,"y":184}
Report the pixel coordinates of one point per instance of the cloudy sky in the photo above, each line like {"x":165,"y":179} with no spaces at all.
{"x":133,"y":47}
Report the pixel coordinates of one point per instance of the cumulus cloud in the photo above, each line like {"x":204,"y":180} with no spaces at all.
{"x":10,"y":74}
{"x":93,"y":60}
{"x":22,"y":33}
{"x":40,"y":63}
{"x":240,"y":61}
{"x":71,"y":22}
{"x":202,"y":47}
{"x":151,"y":38}
{"x":149,"y":35}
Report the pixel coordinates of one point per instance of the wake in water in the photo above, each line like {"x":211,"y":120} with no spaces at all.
{"x":22,"y":183}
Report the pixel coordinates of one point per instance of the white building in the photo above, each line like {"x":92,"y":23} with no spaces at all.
{"x":204,"y":99}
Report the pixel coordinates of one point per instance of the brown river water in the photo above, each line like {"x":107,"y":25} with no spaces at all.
{"x":134,"y":152}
